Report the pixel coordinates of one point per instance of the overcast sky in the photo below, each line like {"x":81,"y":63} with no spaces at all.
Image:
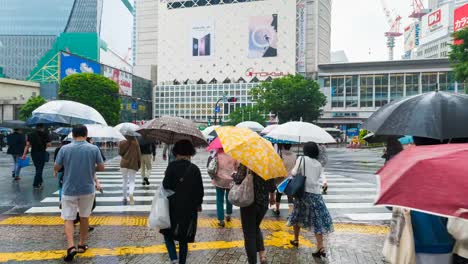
{"x":358,"y":28}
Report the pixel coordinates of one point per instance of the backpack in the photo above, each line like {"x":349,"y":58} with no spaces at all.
{"x":212,"y":166}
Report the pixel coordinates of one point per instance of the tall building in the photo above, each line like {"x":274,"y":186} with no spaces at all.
{"x":434,"y":4}
{"x":32,"y":32}
{"x":207,"y":50}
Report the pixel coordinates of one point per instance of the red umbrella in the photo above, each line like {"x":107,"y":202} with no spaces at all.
{"x":432,"y":179}
{"x":216,"y":144}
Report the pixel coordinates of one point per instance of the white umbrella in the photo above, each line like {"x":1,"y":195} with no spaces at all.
{"x":301,"y":132}
{"x":128,"y":129}
{"x":101,"y":133}
{"x":254,"y":126}
{"x":66,"y":112}
{"x":268,"y":129}
{"x":207,"y":131}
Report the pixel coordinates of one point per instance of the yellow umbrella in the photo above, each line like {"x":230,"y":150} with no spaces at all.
{"x":252,"y":151}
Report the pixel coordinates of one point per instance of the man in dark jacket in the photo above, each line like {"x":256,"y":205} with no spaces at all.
{"x":147,"y":150}
{"x":16,"y":143}
{"x":38,"y":140}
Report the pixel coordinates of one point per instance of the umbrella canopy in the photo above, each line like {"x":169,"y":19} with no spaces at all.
{"x":254,"y":126}
{"x":268,"y":129}
{"x":63,"y":131}
{"x":216,"y":144}
{"x":128,"y":129}
{"x":252,"y":151}
{"x":101,"y":133}
{"x":5,"y":130}
{"x":300,"y":132}
{"x":14,"y":124}
{"x":427,"y":178}
{"x":207,"y":131}
{"x":169,"y":130}
{"x":65,"y":112}
{"x":438,"y":115}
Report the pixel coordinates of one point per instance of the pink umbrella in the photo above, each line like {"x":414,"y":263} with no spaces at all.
{"x":268,"y":129}
{"x":216,"y":144}
{"x":431,"y":179}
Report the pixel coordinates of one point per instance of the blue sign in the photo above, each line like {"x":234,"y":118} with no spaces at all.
{"x":71,"y":64}
{"x":134,"y":106}
{"x":217,"y":109}
{"x":352,"y":132}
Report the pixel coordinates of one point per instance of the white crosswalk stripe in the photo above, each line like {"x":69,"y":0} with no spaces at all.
{"x":347,"y":197}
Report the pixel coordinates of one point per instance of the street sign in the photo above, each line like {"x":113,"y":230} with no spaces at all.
{"x":217,"y":109}
{"x":134,"y":106}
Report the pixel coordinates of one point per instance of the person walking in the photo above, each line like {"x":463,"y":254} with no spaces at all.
{"x":185,"y":180}
{"x":129,"y":149}
{"x":310,"y":211}
{"x":38,"y":141}
{"x":148,"y":155}
{"x":16,"y":143}
{"x":227,"y":166}
{"x":289,"y":160}
{"x":393,"y":148}
{"x":168,"y":153}
{"x":80,"y":160}
{"x":59,"y":174}
{"x":252,"y":215}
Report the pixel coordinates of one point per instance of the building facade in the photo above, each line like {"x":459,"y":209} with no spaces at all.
{"x":356,"y":90}
{"x":14,"y":94}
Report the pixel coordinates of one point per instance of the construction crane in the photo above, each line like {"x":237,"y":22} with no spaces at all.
{"x":418,"y":9}
{"x":394,"y":22}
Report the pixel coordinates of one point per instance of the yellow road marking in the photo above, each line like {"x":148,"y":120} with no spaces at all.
{"x":276,"y":239}
{"x":267,"y":224}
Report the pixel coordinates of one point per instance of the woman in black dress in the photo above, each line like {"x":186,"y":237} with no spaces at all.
{"x":184,"y":178}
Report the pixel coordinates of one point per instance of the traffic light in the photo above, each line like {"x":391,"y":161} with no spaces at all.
{"x":232,"y":100}
{"x":209,"y":122}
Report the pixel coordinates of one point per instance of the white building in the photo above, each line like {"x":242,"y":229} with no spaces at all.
{"x":205,"y":49}
{"x":434,"y":4}
{"x":14,"y":94}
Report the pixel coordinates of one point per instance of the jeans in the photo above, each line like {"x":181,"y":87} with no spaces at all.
{"x":171,"y":249}
{"x":251,"y":218}
{"x":220,"y":195}
{"x":128,"y":179}
{"x":39,"y":162}
{"x":16,"y":169}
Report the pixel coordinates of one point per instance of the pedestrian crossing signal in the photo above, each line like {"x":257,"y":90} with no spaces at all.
{"x":232,"y":100}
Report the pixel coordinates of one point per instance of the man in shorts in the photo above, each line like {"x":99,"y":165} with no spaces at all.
{"x":81,"y":160}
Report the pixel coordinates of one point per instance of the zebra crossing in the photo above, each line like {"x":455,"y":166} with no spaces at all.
{"x":347,"y":198}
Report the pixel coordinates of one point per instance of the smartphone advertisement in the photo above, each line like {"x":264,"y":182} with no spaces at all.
{"x":202,"y":39}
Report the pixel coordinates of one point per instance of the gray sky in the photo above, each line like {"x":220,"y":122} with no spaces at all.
{"x":358,"y":28}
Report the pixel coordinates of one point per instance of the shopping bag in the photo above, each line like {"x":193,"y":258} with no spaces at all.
{"x":159,"y":215}
{"x":282,"y":186}
{"x":24,"y":162}
{"x":399,"y":246}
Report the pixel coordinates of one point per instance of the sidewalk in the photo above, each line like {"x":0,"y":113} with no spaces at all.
{"x":126,"y":239}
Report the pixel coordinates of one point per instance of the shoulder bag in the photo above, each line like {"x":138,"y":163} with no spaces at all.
{"x":296,"y":186}
{"x":242,"y":194}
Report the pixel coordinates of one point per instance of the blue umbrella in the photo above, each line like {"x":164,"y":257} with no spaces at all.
{"x":63,"y":131}
{"x":279,"y":141}
{"x":406,"y":140}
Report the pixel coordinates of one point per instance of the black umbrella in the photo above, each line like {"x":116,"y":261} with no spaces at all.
{"x":438,"y":115}
{"x":14,"y":124}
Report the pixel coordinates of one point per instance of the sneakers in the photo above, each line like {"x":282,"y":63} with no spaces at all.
{"x":146,"y":181}
{"x":276,"y":212}
{"x":132,"y":202}
{"x":124,"y":200}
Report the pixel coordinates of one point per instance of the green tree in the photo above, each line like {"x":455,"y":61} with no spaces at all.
{"x":292,"y":97}
{"x":459,"y":56}
{"x":94,"y":90}
{"x":247,"y":113}
{"x":31,"y":105}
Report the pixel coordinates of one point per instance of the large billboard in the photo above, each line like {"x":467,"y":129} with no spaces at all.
{"x":263,"y":36}
{"x":411,"y":37}
{"x":436,"y":24}
{"x":201,"y":39}
{"x":71,"y":64}
{"x":123,"y":79}
{"x":460,"y":20}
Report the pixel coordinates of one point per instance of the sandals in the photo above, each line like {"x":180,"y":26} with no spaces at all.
{"x":264,"y":260}
{"x":320,"y":253}
{"x":71,"y":253}
{"x":295,"y":243}
{"x":82,"y":248}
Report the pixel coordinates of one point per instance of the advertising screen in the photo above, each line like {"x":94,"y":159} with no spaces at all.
{"x":263,"y":36}
{"x":123,"y":79}
{"x":71,"y":64}
{"x":435,"y":24}
{"x":460,"y":20}
{"x":411,"y":37}
{"x":202,"y":39}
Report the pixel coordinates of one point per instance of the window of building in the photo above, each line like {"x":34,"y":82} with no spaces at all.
{"x":412,"y":84}
{"x":429,"y":81}
{"x":337,"y":91}
{"x":381,"y":90}
{"x":397,"y":86}
{"x":366,"y":89}
{"x":352,"y":91}
{"x":447,"y":81}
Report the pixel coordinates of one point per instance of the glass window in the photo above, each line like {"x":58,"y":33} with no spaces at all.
{"x":381,"y":90}
{"x":429,"y":81}
{"x":447,"y":81}
{"x":366,"y":89}
{"x":337,"y":91}
{"x":412,"y":84}
{"x":397,"y":86}
{"x":352,"y":91}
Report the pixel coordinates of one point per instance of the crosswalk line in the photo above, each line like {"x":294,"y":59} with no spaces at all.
{"x":370,"y":216}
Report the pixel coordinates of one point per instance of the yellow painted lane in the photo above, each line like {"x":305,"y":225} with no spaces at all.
{"x":276,"y":239}
{"x":267,"y":224}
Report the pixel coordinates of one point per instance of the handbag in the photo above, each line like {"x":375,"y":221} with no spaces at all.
{"x":399,"y":244}
{"x":212,"y":167}
{"x":23,"y":162}
{"x":242,"y":194}
{"x":296,"y":186}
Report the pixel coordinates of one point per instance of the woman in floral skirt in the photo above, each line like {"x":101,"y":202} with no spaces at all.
{"x":310,"y":211}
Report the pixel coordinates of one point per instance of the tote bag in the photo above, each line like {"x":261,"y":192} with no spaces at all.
{"x":242,"y":195}
{"x":399,"y":245}
{"x":296,"y":186}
